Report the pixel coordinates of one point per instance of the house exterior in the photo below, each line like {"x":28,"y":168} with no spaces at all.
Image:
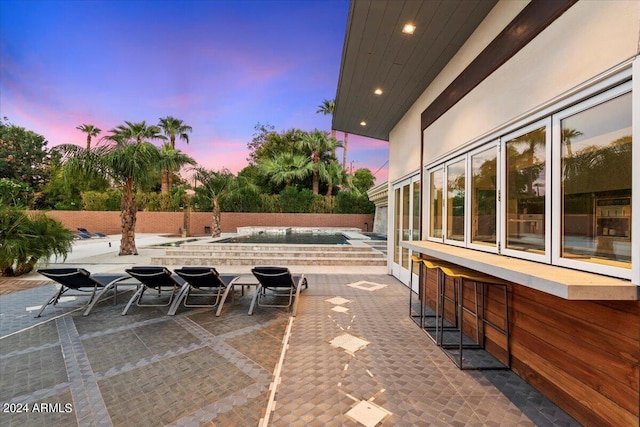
{"x":514,"y":145}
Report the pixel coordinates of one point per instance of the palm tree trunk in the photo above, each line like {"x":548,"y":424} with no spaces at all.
{"x":344,"y":151}
{"x":316,"y":179}
{"x":166,"y":181}
{"x":215,"y":229}
{"x":333,"y":136}
{"x":128,"y":217}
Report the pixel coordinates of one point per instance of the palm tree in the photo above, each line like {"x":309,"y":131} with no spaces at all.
{"x":318,"y":143}
{"x":214,"y":184}
{"x":285,"y":167}
{"x":335,"y":176}
{"x":126,"y":158}
{"x":172,"y":160}
{"x":172,"y":128}
{"x":137,"y":132}
{"x":326,"y":108}
{"x":91,"y":131}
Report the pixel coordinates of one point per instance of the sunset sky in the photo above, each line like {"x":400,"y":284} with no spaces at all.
{"x":221,"y":66}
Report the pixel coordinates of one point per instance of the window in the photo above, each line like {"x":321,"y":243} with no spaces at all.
{"x":455,"y":200}
{"x":596,"y":183}
{"x":416,"y":211}
{"x":498,"y":197}
{"x":484,"y":190}
{"x":525,"y":191}
{"x":435,"y":208}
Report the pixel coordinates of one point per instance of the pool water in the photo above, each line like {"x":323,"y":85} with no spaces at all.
{"x":289,"y":238}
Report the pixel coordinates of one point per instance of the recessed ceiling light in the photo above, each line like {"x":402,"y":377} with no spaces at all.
{"x":378,"y":91}
{"x":408,"y":28}
{"x":363,"y":123}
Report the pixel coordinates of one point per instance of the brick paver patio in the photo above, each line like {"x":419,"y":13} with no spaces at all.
{"x":353,"y":358}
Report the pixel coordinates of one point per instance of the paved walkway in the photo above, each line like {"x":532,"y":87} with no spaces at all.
{"x":351,"y":357}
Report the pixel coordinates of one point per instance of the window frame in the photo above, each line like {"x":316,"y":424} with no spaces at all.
{"x":546,"y":257}
{"x":445,"y":199}
{"x":557,"y":258}
{"x":493,"y":144}
{"x":429,"y":202}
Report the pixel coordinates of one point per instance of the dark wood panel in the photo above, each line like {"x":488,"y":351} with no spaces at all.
{"x":570,"y":404}
{"x":566,"y":387}
{"x":587,"y":369}
{"x":624,"y":319}
{"x":559,"y":314}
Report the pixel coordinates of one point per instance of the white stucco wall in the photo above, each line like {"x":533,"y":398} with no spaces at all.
{"x":404,"y":138}
{"x":588,"y":39}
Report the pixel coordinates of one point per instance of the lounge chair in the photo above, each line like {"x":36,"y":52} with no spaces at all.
{"x":277,"y":282}
{"x":198,"y":279}
{"x":79,"y":279}
{"x":84,"y":231}
{"x":156,"y":278}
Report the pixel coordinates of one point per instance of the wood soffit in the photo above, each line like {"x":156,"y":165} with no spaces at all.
{"x":377,"y":54}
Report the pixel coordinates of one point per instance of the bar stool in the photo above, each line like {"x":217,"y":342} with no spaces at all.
{"x":434,"y":264}
{"x":419,"y":316}
{"x":460,"y":275}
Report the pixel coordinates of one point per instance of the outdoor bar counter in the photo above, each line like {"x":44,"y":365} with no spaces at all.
{"x":558,"y":281}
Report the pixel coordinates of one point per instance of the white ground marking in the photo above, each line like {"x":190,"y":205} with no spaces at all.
{"x":349,"y":343}
{"x":337,"y":300}
{"x":368,"y":413}
{"x":366,"y":286}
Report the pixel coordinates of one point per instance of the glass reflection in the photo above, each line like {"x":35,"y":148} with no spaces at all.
{"x":416,"y":211}
{"x":396,"y":227}
{"x":406,"y":233}
{"x":455,"y":200}
{"x":526,"y":166}
{"x":435,"y":217}
{"x":596,"y":184}
{"x":483,"y":196}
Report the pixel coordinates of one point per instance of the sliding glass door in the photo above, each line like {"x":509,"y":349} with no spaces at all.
{"x":406,"y":223}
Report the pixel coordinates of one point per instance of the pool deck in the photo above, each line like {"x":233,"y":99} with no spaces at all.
{"x":351,"y":357}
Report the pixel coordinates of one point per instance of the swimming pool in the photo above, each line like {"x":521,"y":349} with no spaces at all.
{"x":289,"y":238}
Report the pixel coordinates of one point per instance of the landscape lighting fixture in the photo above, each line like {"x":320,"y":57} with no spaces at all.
{"x":408,"y":28}
{"x":378,"y":91}
{"x":363,"y":123}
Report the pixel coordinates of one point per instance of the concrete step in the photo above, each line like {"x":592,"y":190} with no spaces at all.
{"x":261,"y":260}
{"x":269,"y":247}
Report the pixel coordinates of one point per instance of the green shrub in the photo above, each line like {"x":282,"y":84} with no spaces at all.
{"x":15,"y":193}
{"x":322,"y":204}
{"x":351,"y":202}
{"x":296,"y":201}
{"x":270,"y":203}
{"x":109,"y":200}
{"x":242,"y":200}
{"x":26,"y":239}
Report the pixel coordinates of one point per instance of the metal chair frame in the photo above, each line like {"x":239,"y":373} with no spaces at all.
{"x":192,"y":275}
{"x":277,"y":288}
{"x":69,"y":279}
{"x":146,"y":275}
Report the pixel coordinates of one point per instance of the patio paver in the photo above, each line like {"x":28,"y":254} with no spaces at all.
{"x":197,"y":369}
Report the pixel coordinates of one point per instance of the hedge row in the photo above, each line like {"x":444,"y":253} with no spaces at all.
{"x":290,"y":200}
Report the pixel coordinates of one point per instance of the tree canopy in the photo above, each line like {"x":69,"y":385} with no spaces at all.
{"x":23,"y":155}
